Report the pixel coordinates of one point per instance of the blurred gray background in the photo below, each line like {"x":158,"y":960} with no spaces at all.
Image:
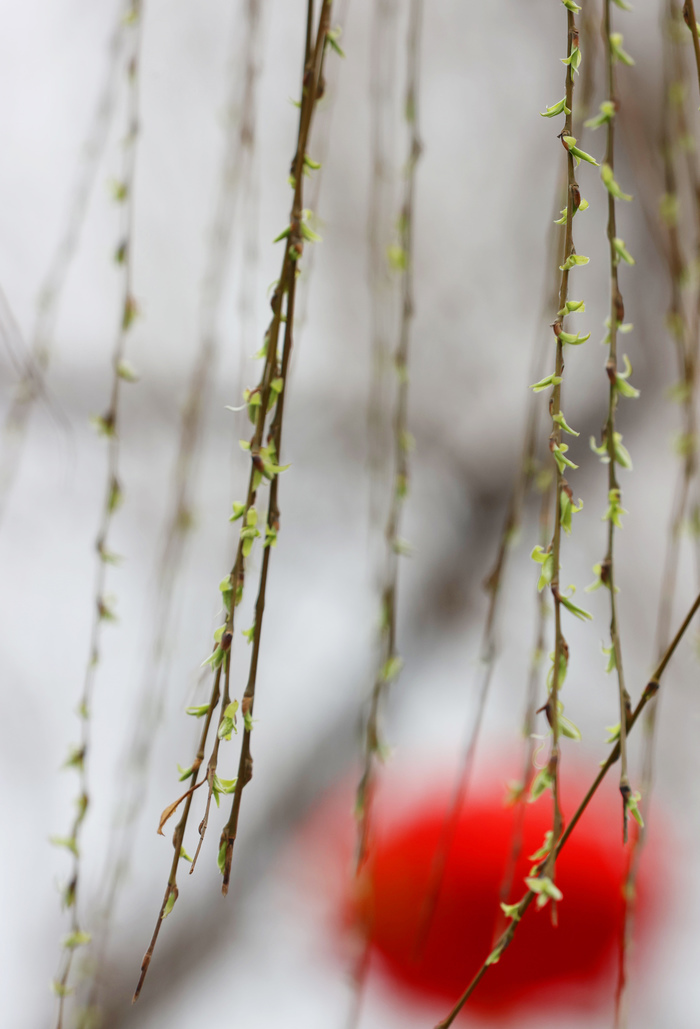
{"x":485,"y":196}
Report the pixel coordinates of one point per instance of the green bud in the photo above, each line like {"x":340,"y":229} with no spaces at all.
{"x":618,"y":53}
{"x":76,"y":939}
{"x":621,"y":252}
{"x":546,"y":559}
{"x":573,"y":60}
{"x":558,"y":108}
{"x":607,"y":113}
{"x":544,"y":888}
{"x":606,"y":174}
{"x":580,"y":155}
{"x":572,"y":261}
{"x":170,"y":902}
{"x":549,"y":380}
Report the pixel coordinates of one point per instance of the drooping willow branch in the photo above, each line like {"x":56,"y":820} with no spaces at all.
{"x":520,"y":790}
{"x":390,"y":661}
{"x":617,"y":385}
{"x":380,"y":237}
{"x":564,"y":507}
{"x":515,"y":912}
{"x":685,"y":333}
{"x":691,"y":22}
{"x":238,"y":155}
{"x":322,"y":138}
{"x":264,"y":464}
{"x":494,"y":583}
{"x":31,"y":383}
{"x":108,"y":424}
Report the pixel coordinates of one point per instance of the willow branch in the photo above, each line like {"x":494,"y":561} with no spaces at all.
{"x":312,"y":89}
{"x":109,"y":426}
{"x":691,"y":22}
{"x":31,"y":384}
{"x":521,"y":789}
{"x":685,"y":337}
{"x":238,"y":154}
{"x":383,"y":56}
{"x":560,"y":645}
{"x":390,"y":661}
{"x":616,"y":318}
{"x":506,"y":938}
{"x":493,"y":584}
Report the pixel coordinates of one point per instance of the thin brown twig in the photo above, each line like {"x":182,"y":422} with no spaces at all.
{"x":390,"y":661}
{"x":263,"y":461}
{"x":691,"y":22}
{"x":560,"y":645}
{"x":109,"y":425}
{"x":685,"y":337}
{"x":238,"y":148}
{"x":380,"y":236}
{"x":314,"y":87}
{"x":616,"y":318}
{"x":506,"y":938}
{"x":322,"y":135}
{"x":523,"y":786}
{"x":494,"y":582}
{"x":32,"y":379}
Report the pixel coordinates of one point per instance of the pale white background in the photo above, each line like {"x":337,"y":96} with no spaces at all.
{"x":485,"y":188}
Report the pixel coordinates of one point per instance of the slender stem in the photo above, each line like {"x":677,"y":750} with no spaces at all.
{"x":505,"y":939}
{"x":380,"y":236}
{"x":691,"y":22}
{"x":616,"y":317}
{"x":179,"y":833}
{"x":109,"y":424}
{"x":313,"y":80}
{"x":674,"y":127}
{"x":238,"y":154}
{"x":312,"y":89}
{"x":389,"y":658}
{"x":560,"y":645}
{"x":31,"y":384}
{"x":521,"y":799}
{"x":493,"y":584}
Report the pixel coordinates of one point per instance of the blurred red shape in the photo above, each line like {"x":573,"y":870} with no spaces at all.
{"x":573,"y":963}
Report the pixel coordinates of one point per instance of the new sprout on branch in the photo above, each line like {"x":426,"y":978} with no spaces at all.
{"x":32,"y":382}
{"x":389,"y":660}
{"x":617,"y":384}
{"x":550,"y":559}
{"x":265,"y":406}
{"x":239,"y":143}
{"x":515,"y":912}
{"x":108,"y":425}
{"x":677,"y":142}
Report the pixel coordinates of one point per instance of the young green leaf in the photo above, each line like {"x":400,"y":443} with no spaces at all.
{"x":580,"y":155}
{"x":544,"y":888}
{"x":607,"y":113}
{"x":621,"y":251}
{"x":618,"y":53}
{"x":572,"y":261}
{"x":558,"y":108}
{"x":546,"y":560}
{"x":546,"y":383}
{"x":606,"y":174}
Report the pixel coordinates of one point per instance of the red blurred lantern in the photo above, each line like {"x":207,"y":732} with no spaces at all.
{"x":574,"y":963}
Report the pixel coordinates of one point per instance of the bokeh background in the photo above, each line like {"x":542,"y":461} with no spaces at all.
{"x":486,"y":190}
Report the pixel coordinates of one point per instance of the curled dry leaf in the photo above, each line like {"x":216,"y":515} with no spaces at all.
{"x":172,"y":808}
